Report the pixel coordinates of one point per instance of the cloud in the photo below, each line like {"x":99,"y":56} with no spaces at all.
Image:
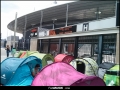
{"x":9,"y":8}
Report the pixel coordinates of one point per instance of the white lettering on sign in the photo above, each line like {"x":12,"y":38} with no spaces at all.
{"x":45,"y":33}
{"x":85,"y":27}
{"x":55,"y":87}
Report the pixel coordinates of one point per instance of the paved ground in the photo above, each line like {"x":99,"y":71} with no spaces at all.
{"x":3,"y":54}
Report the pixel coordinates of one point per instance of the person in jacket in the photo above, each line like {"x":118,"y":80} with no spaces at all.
{"x":7,"y":50}
{"x":35,"y":70}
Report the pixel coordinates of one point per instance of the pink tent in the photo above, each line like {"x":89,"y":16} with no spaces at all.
{"x":62,"y":74}
{"x":63,"y":58}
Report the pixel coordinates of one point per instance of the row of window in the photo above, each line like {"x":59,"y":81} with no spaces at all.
{"x":87,"y":45}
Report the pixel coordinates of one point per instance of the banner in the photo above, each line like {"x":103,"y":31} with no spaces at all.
{"x":63,"y":30}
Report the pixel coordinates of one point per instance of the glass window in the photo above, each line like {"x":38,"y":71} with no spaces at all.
{"x":54,"y":48}
{"x":68,"y":46}
{"x":68,"y":49}
{"x":87,"y":47}
{"x":84,"y":50}
{"x":44,"y":46}
{"x":109,"y":48}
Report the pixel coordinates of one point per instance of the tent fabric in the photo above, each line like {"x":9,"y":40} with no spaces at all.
{"x":106,"y":65}
{"x":103,"y":67}
{"x":64,"y":58}
{"x":112,"y":76}
{"x":10,"y":66}
{"x":90,"y":81}
{"x":62,"y":74}
{"x":23,"y":79}
{"x":93,"y":64}
{"x":28,"y":53}
{"x":91,"y":67}
{"x":22,"y":55}
{"x":19,"y":53}
{"x":46,"y":58}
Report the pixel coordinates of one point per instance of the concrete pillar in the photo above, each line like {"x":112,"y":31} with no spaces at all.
{"x":33,"y":44}
{"x":117,"y":49}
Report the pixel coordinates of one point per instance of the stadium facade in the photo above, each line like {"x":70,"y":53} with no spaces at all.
{"x":77,"y":28}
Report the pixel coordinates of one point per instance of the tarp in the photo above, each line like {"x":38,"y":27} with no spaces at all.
{"x":103,"y":67}
{"x":10,"y":66}
{"x":46,"y":58}
{"x":106,"y":65}
{"x":63,"y":74}
{"x":90,"y":67}
{"x":63,"y":58}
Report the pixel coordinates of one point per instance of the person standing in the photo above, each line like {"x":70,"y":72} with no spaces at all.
{"x":7,"y":50}
{"x":12,"y":51}
{"x":11,"y":47}
{"x":35,"y":70}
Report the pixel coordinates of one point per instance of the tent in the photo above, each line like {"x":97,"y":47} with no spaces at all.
{"x":64,"y":58}
{"x":103,"y":67}
{"x":46,"y":58}
{"x":17,"y":71}
{"x":24,"y":54}
{"x":63,"y":74}
{"x":86,"y":66}
{"x":112,"y":76}
{"x":18,"y":54}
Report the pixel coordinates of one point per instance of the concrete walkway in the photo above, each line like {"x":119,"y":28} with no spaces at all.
{"x":3,"y":54}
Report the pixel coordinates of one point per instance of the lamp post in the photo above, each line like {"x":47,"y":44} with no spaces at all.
{"x":14,"y":50}
{"x":55,"y":2}
{"x":54,"y":23}
{"x":97,"y":13}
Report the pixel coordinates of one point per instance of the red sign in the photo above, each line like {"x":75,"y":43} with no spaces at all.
{"x":34,"y":30}
{"x":64,"y":30}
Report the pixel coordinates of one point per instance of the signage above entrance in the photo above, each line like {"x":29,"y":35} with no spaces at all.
{"x":33,"y":32}
{"x":63,"y":30}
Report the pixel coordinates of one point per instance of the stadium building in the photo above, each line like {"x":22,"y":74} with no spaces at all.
{"x":77,"y":28}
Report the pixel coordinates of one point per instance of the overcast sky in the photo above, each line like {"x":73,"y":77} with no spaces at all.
{"x":9,"y":8}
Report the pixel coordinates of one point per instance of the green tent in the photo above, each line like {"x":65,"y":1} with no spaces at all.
{"x":86,"y":66}
{"x":112,"y":76}
{"x":19,"y":54}
{"x":46,"y":58}
{"x":28,"y":53}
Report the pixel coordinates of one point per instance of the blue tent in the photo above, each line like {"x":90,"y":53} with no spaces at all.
{"x":17,"y":71}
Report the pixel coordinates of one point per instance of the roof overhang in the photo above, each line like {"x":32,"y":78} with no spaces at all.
{"x":80,"y":11}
